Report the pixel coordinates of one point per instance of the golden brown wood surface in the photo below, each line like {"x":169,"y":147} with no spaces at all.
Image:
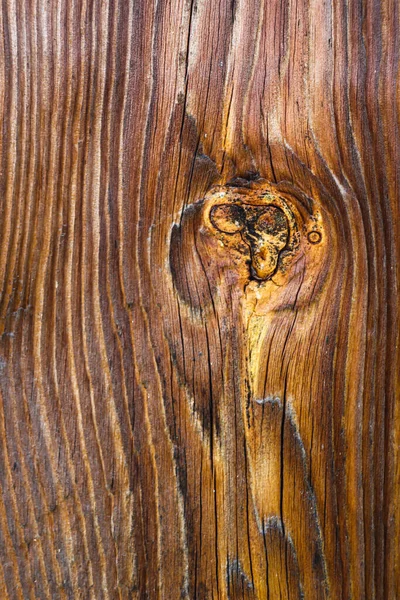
{"x":199,"y":310}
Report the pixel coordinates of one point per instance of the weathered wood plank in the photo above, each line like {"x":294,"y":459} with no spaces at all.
{"x":199,"y":266}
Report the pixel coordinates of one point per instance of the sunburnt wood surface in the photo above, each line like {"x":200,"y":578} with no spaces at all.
{"x":199,"y":254}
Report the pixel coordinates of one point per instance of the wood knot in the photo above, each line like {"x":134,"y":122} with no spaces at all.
{"x":268,"y":241}
{"x":259,"y":223}
{"x":314,"y":237}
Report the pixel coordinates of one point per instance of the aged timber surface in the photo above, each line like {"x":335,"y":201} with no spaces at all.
{"x":199,"y":309}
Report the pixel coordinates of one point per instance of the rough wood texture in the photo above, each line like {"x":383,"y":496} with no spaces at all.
{"x":199,"y":263}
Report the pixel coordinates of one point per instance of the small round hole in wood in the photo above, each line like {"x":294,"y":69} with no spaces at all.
{"x":314,"y":237}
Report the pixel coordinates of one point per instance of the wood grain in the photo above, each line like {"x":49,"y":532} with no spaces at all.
{"x":199,"y":266}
